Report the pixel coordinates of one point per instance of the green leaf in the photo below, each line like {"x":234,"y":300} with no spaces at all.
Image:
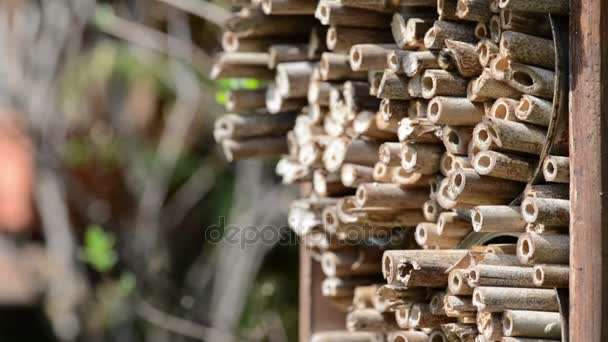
{"x":99,"y":248}
{"x":221,"y":97}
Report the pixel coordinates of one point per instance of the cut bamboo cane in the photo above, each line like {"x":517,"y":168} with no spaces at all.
{"x":490,"y":325}
{"x":454,"y":111}
{"x":392,"y":263}
{"x":447,"y":9}
{"x":335,"y":14}
{"x":451,"y":162}
{"x":495,"y":29}
{"x":390,"y":196}
{"x":374,"y":79}
{"x":458,"y":331}
{"x":232,"y":43}
{"x":487,"y":51}
{"x":369,"y":56}
{"x":421,"y":317}
{"x":351,"y":262}
{"x":418,"y":130}
{"x":237,"y":126}
{"x":458,"y":283}
{"x":414,"y":89}
{"x":245,"y":100}
{"x":335,"y":67}
{"x":456,"y":139}
{"x":451,"y":224}
{"x":394,"y":60}
{"x":340,"y":39}
{"x":443,"y":197}
{"x":532,"y":324}
{"x":515,"y":136}
{"x":457,"y":305}
{"x":530,"y":23}
{"x":436,"y":304}
{"x":526,"y":49}
{"x":345,"y":336}
{"x":284,"y":53}
{"x":402,"y":316}
{"x":500,"y":67}
{"x":289,"y":7}
{"x":370,"y":320}
{"x":546,"y":211}
{"x":531,"y":80}
{"x":494,"y":259}
{"x":421,"y":158}
{"x":365,"y":125}
{"x":410,"y":179}
{"x":436,"y":82}
{"x":256,"y":24}
{"x":425,"y":269}
{"x":543,"y":249}
{"x":442,"y":30}
{"x":254,"y":148}
{"x":415,"y":30}
{"x":415,"y":63}
{"x":393,"y":86}
{"x":329,"y":185}
{"x":408,"y":336}
{"x":543,"y":6}
{"x":557,"y":169}
{"x":534,"y":110}
{"x":383,"y":173}
{"x":391,"y":110}
{"x":427,"y":235}
{"x":504,"y":166}
{"x":465,"y":57}
{"x":504,"y":109}
{"x":485,"y":87}
{"x":497,"y":299}
{"x":275,"y":103}
{"x":390,"y":153}
{"x":431,"y":210}
{"x":473,"y":10}
{"x":467,"y":186}
{"x":502,"y":248}
{"x":292,"y":79}
{"x":342,"y":150}
{"x":497,"y":219}
{"x":551,"y":276}
{"x":501,"y":276}
{"x":224,"y":70}
{"x":318,"y":93}
{"x":559,"y":191}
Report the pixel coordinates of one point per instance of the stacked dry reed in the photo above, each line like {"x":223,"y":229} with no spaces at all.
{"x":438,"y":126}
{"x":265,"y":40}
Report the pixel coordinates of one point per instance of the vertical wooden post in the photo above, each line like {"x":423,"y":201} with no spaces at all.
{"x":589,"y":171}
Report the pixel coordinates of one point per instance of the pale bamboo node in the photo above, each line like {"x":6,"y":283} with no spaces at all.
{"x":290,"y":7}
{"x":534,"y":110}
{"x":498,"y":299}
{"x":538,"y":324}
{"x":543,"y":6}
{"x":497,"y":218}
{"x":551,"y":276}
{"x":504,"y":166}
{"x":557,"y":169}
{"x":535,"y":248}
{"x":454,"y":111}
{"x":546,"y":211}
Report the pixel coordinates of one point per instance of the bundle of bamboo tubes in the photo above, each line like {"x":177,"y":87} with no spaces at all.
{"x":416,"y":130}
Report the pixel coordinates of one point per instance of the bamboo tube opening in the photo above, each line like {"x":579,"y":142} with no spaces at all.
{"x":230,"y":40}
{"x":323,"y":12}
{"x":393,"y":61}
{"x":380,"y":171}
{"x":430,"y":36}
{"x":507,"y":325}
{"x":500,"y":67}
{"x":473,"y":275}
{"x":399,"y":339}
{"x":506,"y":17}
{"x":447,"y":163}
{"x":477,"y":297}
{"x":485,"y":163}
{"x":524,"y":105}
{"x":530,"y":211}
{"x":429,"y":208}
{"x":501,"y":110}
{"x":453,"y":138}
{"x":477,"y":219}
{"x":523,"y":78}
{"x":355,"y":58}
{"x":526,"y":249}
{"x":387,"y":268}
{"x":330,"y":220}
{"x":415,"y":314}
{"x":428,"y":84}
{"x":361,"y":194}
{"x":461,"y":7}
{"x":550,"y":168}
{"x":481,"y":30}
{"x":437,"y":337}
{"x":539,"y":275}
{"x":455,"y":279}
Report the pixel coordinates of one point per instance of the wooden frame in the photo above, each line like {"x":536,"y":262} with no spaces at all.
{"x":589,"y":171}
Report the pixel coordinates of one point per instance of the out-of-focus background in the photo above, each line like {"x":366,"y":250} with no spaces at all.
{"x":120,"y":220}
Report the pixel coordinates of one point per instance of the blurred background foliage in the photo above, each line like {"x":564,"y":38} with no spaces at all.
{"x":125,"y":135}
